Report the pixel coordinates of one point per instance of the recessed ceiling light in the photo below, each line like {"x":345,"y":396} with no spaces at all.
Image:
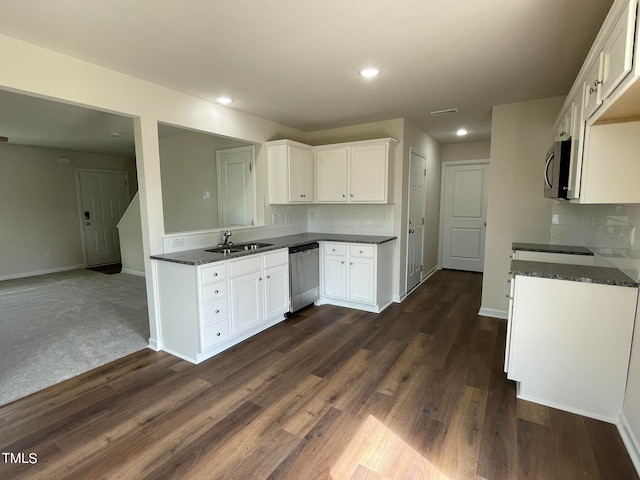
{"x":369,"y":72}
{"x":462,"y":132}
{"x":224,"y":100}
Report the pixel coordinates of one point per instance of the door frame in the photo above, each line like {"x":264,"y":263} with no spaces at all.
{"x":81,"y":210}
{"x":452,"y":163}
{"x":423,"y":277}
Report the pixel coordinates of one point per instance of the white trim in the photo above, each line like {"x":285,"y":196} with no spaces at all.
{"x":452,"y":163}
{"x":153,"y":345}
{"x":493,"y":313}
{"x":399,"y":298}
{"x":559,"y":406}
{"x":41,"y":272}
{"x":426,"y":276}
{"x":630,"y":440}
{"x":133,"y":272}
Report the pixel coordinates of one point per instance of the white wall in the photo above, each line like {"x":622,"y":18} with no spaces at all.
{"x":452,"y":152}
{"x":521,"y":134}
{"x":39,"y":211}
{"x":631,"y":409}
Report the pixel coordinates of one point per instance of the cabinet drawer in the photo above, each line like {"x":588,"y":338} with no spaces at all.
{"x":214,"y":273}
{"x":214,"y":311}
{"x":216,"y":334}
{"x":281,"y":257}
{"x":246,"y":265}
{"x":362,"y":251}
{"x":335,"y":249}
{"x":213,"y":291}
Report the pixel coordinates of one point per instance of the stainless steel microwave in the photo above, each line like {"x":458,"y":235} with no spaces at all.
{"x":556,"y":170}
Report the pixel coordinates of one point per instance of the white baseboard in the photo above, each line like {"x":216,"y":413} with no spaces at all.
{"x":493,"y":313}
{"x":133,"y":272}
{"x":425,"y":276}
{"x":153,"y":344}
{"x":399,"y":298}
{"x":566,"y":408}
{"x":630,"y":440}
{"x":41,"y":272}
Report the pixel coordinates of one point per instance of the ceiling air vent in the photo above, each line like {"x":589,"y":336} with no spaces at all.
{"x":447,"y":111}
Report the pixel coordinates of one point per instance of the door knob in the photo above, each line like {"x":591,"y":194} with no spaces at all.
{"x":88,"y":223}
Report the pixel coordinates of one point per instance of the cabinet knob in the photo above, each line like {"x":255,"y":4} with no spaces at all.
{"x":360,"y":251}
{"x":268,"y":276}
{"x":215,"y":274}
{"x":352,"y":194}
{"x":217,"y":291}
{"x":260,"y":279}
{"x":333,"y":249}
{"x":217,"y":311}
{"x":343,"y":195}
{"x":350,"y":263}
{"x":218,"y":334}
{"x":342,"y":263}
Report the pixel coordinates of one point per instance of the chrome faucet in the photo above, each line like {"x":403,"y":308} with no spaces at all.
{"x":225,"y":239}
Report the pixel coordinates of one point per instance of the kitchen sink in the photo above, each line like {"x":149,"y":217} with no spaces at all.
{"x":241,"y":247}
{"x":251,"y":246}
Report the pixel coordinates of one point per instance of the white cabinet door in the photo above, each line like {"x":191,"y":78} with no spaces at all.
{"x":593,"y":86}
{"x":577,"y":142}
{"x":276,"y":291}
{"x":300,"y":175}
{"x":331,"y":175}
{"x":335,"y":276}
{"x":247,"y":302}
{"x":617,"y":53}
{"x":368,"y":175}
{"x":361,"y":280}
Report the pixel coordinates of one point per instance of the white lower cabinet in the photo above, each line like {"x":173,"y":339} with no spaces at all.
{"x":356,"y":275}
{"x":207,"y":309}
{"x":568,"y":344}
{"x":259,"y":289}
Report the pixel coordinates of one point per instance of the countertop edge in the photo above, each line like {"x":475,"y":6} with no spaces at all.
{"x":573,"y":273}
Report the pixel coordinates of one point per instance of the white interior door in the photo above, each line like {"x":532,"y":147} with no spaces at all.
{"x":464,"y":216}
{"x":236,"y":197}
{"x":104,"y":197}
{"x":415,"y":233}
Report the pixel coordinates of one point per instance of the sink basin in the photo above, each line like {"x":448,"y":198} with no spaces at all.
{"x":241,"y":247}
{"x":251,"y":246}
{"x":224,"y":250}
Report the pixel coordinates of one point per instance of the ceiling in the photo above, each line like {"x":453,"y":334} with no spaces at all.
{"x":296,"y":61}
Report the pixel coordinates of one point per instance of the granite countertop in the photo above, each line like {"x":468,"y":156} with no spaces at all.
{"x":547,"y":248}
{"x":200,"y":256}
{"x":573,"y":273}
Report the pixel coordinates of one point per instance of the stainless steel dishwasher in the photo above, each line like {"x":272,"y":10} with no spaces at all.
{"x":304,"y":275}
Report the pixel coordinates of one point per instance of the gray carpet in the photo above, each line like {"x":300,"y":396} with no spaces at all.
{"x":54,"y":327}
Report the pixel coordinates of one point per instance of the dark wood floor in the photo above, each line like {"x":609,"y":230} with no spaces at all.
{"x":415,"y":392}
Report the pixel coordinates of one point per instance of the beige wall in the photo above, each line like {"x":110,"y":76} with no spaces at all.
{"x":521,"y":134}
{"x":188,"y":168}
{"x":452,"y":152}
{"x":39,"y":213}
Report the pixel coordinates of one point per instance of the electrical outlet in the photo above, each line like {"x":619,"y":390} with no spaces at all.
{"x":274,"y":218}
{"x":206,"y":195}
{"x":177,"y":242}
{"x":287,"y":218}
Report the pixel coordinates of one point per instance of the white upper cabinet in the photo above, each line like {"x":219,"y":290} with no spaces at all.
{"x":354,"y":172}
{"x":369,"y":173}
{"x":604,"y":105}
{"x":291,"y":172}
{"x":617,"y":52}
{"x":331,"y":175}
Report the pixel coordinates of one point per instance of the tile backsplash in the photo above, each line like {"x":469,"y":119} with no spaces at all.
{"x":351,"y":219}
{"x":610,"y":231}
